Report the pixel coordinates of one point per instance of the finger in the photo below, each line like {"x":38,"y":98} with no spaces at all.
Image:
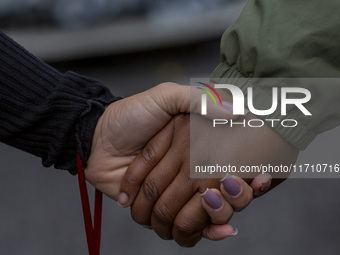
{"x":190,"y":222}
{"x":220,"y":213}
{"x":219,"y":210}
{"x":174,"y":98}
{"x":170,"y":203}
{"x":261,"y":184}
{"x":108,"y":181}
{"x":273,"y":183}
{"x":219,"y":232}
{"x":110,"y":187}
{"x":142,"y":165}
{"x":236,"y":192}
{"x":153,"y":187}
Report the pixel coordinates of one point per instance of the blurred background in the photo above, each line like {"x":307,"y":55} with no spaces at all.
{"x":132,"y":45}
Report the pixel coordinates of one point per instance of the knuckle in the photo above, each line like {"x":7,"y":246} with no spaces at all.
{"x":165,"y":86}
{"x":168,"y":84}
{"x":184,"y":229}
{"x":149,"y":155}
{"x":130,"y":180}
{"x":150,"y":190}
{"x":162,"y":214}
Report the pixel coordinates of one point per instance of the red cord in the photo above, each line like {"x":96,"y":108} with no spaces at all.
{"x":98,"y":205}
{"x":92,"y":233}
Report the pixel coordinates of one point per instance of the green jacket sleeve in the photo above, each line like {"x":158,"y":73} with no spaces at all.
{"x":287,"y":39}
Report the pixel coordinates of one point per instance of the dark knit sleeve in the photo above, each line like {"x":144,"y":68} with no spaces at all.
{"x":45,"y":112}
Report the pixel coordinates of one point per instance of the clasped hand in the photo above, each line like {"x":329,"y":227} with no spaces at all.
{"x":140,"y":156}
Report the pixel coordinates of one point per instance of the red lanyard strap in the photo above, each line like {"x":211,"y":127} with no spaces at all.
{"x":92,"y":232}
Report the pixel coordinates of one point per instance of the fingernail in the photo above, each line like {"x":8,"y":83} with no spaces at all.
{"x":214,"y":201}
{"x":231,"y":186}
{"x":147,"y":227}
{"x":123,"y":199}
{"x":235,"y":232}
{"x":229,"y":106}
{"x":266,"y":185}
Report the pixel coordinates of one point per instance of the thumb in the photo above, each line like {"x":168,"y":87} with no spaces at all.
{"x":174,"y":99}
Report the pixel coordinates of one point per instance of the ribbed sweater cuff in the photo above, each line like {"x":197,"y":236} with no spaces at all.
{"x":44,"y":112}
{"x":88,"y":99}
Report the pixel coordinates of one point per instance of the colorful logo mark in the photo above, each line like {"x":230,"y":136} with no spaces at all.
{"x":204,"y":97}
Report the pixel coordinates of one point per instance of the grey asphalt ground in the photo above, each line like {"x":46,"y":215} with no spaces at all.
{"x":40,"y":210}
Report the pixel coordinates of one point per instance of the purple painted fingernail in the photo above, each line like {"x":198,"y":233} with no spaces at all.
{"x":231,"y":186}
{"x":214,"y":201}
